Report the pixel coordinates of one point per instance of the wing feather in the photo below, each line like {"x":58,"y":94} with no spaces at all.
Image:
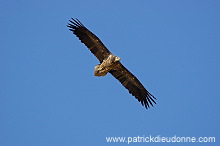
{"x":133,"y":85}
{"x":89,"y":39}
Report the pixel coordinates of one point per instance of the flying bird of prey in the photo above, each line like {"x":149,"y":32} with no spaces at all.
{"x":110,"y":63}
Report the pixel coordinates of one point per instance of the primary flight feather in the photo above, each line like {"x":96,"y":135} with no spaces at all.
{"x":111,"y":63}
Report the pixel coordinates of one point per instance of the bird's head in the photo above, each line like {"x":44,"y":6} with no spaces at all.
{"x":117,"y":58}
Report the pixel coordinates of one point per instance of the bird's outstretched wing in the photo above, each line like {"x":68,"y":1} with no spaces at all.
{"x":134,"y":86}
{"x":89,"y":39}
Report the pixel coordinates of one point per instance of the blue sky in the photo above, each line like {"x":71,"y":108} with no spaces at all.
{"x":49,"y":95}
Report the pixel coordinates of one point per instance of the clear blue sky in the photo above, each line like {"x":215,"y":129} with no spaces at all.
{"x":49,"y":96}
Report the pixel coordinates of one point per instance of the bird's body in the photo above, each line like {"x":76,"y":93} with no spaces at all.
{"x":110,"y":63}
{"x":107,"y":65}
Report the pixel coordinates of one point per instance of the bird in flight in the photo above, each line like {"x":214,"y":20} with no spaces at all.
{"x":110,"y":63}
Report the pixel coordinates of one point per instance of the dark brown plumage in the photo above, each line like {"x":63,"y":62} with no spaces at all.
{"x":125,"y":77}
